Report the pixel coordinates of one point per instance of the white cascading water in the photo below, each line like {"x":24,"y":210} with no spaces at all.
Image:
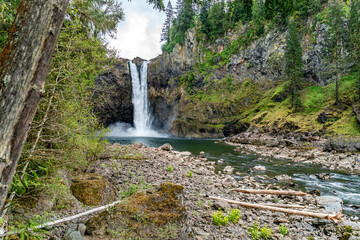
{"x":140,"y":101}
{"x":142,"y":116}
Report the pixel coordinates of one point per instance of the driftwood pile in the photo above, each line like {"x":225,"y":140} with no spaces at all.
{"x":336,"y":217}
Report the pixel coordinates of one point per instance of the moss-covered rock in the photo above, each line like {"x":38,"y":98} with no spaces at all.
{"x":141,"y":215}
{"x":91,"y":189}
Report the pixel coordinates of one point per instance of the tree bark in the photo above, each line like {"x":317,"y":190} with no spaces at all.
{"x":24,"y":64}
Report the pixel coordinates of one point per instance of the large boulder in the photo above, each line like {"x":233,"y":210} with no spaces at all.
{"x":91,"y":189}
{"x":140,"y":216}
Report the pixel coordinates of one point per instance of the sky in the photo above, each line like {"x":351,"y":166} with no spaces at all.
{"x":139,"y":34}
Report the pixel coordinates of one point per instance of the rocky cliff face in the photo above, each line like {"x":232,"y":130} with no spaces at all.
{"x":113,"y":93}
{"x":262,"y":61}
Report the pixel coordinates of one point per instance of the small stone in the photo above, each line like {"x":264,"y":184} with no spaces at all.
{"x":202,"y":154}
{"x":281,"y":220}
{"x":228,"y":169}
{"x":73,"y":235}
{"x":166,"y":147}
{"x":259,"y":168}
{"x":283,"y":177}
{"x":226,"y":184}
{"x":221,"y":204}
{"x":330,"y":203}
{"x":82,"y":229}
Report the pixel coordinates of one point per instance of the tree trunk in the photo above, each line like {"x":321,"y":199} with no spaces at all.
{"x":24,"y":64}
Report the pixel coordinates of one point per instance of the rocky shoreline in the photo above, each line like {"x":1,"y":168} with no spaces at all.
{"x":147,"y":170}
{"x":333,"y":154}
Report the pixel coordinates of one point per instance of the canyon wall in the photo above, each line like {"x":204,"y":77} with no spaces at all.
{"x":174,"y":111}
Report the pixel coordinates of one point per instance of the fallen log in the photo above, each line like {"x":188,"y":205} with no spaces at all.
{"x":285,"y":205}
{"x":336,"y":217}
{"x":271,"y":192}
{"x":66,"y":219}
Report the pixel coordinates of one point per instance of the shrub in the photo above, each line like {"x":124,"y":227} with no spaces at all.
{"x":283,"y":230}
{"x":219,"y":218}
{"x":170,"y":169}
{"x":254,"y":231}
{"x":234,"y":215}
{"x":265,"y":233}
{"x":189,"y":174}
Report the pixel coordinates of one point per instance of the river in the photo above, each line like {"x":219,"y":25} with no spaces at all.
{"x":303,"y":176}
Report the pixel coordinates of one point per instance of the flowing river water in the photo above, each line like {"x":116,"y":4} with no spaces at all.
{"x":303,"y":176}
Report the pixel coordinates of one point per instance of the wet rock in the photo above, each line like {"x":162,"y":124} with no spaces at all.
{"x":166,"y":147}
{"x":330,"y":203}
{"x":315,"y":192}
{"x":324,"y":176}
{"x":91,"y":189}
{"x":259,"y":168}
{"x":282,"y":177}
{"x":228,"y":169}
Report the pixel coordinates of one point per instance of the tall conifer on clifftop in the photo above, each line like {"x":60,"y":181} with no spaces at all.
{"x":167,"y":25}
{"x":293,"y":56}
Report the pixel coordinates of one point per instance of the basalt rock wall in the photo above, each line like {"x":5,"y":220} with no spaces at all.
{"x":262,"y":61}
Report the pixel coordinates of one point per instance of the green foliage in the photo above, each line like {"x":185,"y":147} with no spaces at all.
{"x":283,"y":230}
{"x":189,"y":174}
{"x":314,"y":99}
{"x":219,"y":219}
{"x":170,"y":169}
{"x":7,"y":13}
{"x":97,"y":17}
{"x":345,"y":232}
{"x":241,"y":10}
{"x":188,"y":81}
{"x":258,"y":18}
{"x":204,"y":18}
{"x":217,"y":20}
{"x":130,"y":188}
{"x":265,"y":233}
{"x":334,"y":40}
{"x":234,"y":215}
{"x":254,"y":231}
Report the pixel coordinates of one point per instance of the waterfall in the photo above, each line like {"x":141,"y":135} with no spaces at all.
{"x":140,"y":100}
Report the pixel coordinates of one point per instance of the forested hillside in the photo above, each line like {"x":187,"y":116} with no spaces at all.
{"x":282,"y":66}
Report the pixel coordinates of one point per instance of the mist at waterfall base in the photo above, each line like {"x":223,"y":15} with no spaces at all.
{"x":142,"y":115}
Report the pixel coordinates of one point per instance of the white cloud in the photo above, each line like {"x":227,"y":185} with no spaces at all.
{"x":139,"y":34}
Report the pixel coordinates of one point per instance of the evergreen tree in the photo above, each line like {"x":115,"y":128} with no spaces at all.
{"x":293,"y":56}
{"x":354,"y":30}
{"x":178,"y":7}
{"x":258,"y":17}
{"x":184,"y":21}
{"x":217,"y":20}
{"x":334,"y":40}
{"x":279,"y":9}
{"x":165,"y":36}
{"x":204,"y":18}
